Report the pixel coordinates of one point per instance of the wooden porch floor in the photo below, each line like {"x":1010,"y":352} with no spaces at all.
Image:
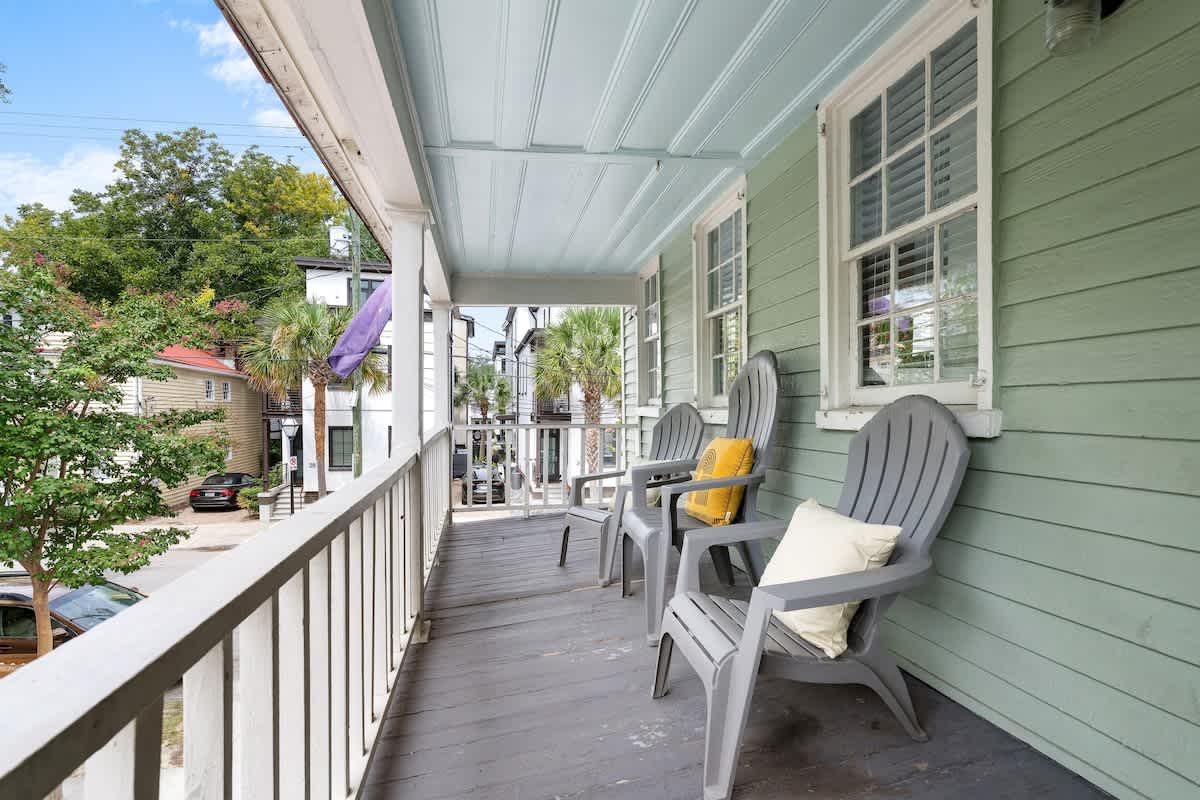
{"x":536,"y":684}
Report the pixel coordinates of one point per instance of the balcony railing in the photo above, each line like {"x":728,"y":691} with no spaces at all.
{"x":321,"y":609}
{"x":276,"y":407}
{"x":534,"y":463}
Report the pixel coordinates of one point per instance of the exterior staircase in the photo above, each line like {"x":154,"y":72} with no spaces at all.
{"x":282,"y":508}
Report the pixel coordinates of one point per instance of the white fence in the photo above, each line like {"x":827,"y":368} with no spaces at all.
{"x":535,"y":463}
{"x":320,"y":609}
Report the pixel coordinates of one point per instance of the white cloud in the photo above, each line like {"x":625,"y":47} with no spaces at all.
{"x":274,"y":117}
{"x":28,"y":179}
{"x":233,"y":66}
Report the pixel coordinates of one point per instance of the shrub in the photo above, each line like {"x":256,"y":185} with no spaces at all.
{"x":248,"y":498}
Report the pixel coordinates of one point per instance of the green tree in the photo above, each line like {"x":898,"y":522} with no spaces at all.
{"x":294,"y":343}
{"x":184,"y":213}
{"x":5,"y":92}
{"x":584,"y":348}
{"x":67,"y":475}
{"x":481,"y":386}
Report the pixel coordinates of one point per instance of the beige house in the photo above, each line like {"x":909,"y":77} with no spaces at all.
{"x":204,"y":381}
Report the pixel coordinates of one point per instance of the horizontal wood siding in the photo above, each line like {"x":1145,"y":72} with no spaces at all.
{"x":242,"y":424}
{"x":1067,"y":607}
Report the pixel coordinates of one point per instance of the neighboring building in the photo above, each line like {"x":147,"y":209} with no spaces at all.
{"x":204,"y":381}
{"x":327,"y":280}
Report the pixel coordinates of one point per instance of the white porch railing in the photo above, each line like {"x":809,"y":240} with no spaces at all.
{"x":319,"y":611}
{"x":536,"y":463}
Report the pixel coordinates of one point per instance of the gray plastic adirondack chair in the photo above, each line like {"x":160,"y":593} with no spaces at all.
{"x":675,"y":437}
{"x":753,"y":410}
{"x":905,"y":468}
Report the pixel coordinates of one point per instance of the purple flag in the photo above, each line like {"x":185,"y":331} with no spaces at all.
{"x":363,"y":332}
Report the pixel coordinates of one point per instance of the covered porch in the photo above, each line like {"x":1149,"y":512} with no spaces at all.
{"x":667,"y":157}
{"x":536,"y":684}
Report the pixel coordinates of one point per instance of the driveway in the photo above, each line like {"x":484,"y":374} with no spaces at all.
{"x":213,"y":532}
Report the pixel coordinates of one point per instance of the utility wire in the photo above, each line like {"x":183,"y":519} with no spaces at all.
{"x":151,"y":121}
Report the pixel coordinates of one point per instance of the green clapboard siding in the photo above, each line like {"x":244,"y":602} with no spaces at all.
{"x":1067,"y":606}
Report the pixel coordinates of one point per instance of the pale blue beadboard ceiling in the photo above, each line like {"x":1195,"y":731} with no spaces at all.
{"x":576,"y":136}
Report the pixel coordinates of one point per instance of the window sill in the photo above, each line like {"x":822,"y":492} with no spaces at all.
{"x":714,"y":416}
{"x":648,"y":411}
{"x":976,"y":423}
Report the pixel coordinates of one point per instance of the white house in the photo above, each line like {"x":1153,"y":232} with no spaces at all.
{"x":328,"y":280}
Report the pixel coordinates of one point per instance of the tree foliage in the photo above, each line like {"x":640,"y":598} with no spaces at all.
{"x":183,"y":213}
{"x":5,"y":92}
{"x":73,"y":464}
{"x":584,"y":348}
{"x":482,"y":387}
{"x":293,"y":344}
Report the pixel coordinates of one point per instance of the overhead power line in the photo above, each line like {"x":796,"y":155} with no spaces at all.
{"x":189,"y":124}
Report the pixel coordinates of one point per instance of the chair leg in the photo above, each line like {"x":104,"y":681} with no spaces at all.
{"x":606,"y":538}
{"x":654,"y":568}
{"x":722,"y":564}
{"x":752,"y":558}
{"x":562,"y":553}
{"x":666,"y":646}
{"x":891,"y":687}
{"x":626,"y":565}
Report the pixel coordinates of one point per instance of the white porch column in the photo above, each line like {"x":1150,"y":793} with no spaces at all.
{"x":408,"y":313}
{"x":441,"y":365}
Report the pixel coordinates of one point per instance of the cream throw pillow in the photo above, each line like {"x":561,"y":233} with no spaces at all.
{"x":653,"y":493}
{"x":819,"y":543}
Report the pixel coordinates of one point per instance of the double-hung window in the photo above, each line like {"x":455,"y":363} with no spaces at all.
{"x":649,"y":346}
{"x":226,"y":391}
{"x":341,"y":447}
{"x":906,"y":219}
{"x":209,"y":389}
{"x":720,"y":247}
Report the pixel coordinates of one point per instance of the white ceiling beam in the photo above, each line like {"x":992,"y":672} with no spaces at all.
{"x":571,"y":154}
{"x":541,"y":289}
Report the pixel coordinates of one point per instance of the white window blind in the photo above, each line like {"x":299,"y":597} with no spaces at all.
{"x":911,"y":176}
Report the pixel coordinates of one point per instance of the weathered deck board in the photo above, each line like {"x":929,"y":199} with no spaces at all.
{"x":536,"y":684}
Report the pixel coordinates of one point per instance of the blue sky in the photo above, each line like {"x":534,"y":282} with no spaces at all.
{"x":74,"y":68}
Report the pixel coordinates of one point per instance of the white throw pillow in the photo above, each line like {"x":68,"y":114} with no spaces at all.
{"x":653,"y":493}
{"x":819,"y":543}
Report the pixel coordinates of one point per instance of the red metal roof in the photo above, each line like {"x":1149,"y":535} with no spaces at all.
{"x":190,"y":357}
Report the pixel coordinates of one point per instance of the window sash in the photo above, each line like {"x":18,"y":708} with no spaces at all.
{"x":209,"y":389}
{"x":341,"y":447}
{"x":722,"y":359}
{"x":650,"y":338}
{"x":226,"y":391}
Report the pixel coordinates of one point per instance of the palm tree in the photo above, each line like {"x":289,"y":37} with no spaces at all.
{"x":294,"y":343}
{"x":583,"y":347}
{"x":480,"y":387}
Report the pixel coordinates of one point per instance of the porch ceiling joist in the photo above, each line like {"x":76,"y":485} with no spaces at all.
{"x":502,"y":289}
{"x":569,"y":155}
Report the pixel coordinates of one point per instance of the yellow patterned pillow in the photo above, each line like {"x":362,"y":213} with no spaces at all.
{"x":723,"y":458}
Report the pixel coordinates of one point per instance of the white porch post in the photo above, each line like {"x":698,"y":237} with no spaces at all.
{"x":408,"y":381}
{"x":441,"y":365}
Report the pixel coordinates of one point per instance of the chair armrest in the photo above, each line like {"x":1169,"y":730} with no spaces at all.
{"x":578,"y":482}
{"x":816,"y":592}
{"x":672,"y":493}
{"x":699,"y":540}
{"x":642,"y":475}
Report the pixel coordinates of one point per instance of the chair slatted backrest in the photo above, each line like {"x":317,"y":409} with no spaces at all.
{"x":904,"y":468}
{"x":677,"y":434}
{"x":754,"y":406}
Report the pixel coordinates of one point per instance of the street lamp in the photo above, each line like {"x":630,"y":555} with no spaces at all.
{"x":289,"y":426}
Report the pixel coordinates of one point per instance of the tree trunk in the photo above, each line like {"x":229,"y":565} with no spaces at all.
{"x":41,"y":609}
{"x":319,"y":434}
{"x":591,"y":415}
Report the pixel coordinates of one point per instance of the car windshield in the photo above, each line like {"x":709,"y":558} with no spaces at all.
{"x":221,"y":480}
{"x":90,"y":605}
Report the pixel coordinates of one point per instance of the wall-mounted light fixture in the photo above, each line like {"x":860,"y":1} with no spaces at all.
{"x":1072,"y":25}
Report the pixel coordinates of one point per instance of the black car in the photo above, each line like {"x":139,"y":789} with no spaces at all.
{"x":478,"y":485}
{"x":220,"y":490}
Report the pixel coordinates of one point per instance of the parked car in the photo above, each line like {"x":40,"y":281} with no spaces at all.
{"x":72,"y":613}
{"x":220,"y":490}
{"x":481,"y":478}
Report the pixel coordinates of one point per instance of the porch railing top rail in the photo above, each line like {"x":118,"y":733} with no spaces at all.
{"x":72,"y":701}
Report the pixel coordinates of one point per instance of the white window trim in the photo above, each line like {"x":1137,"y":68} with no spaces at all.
{"x":932,"y":25}
{"x":210,"y":389}
{"x":226,"y":391}
{"x":645,"y":397}
{"x":713,"y":408}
